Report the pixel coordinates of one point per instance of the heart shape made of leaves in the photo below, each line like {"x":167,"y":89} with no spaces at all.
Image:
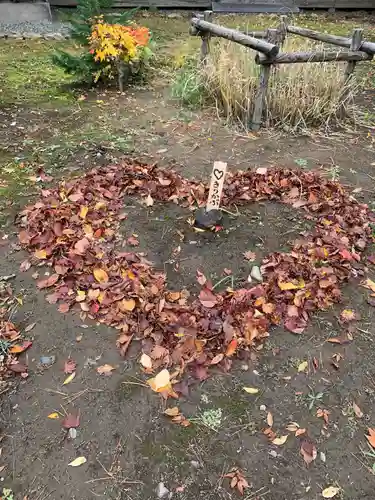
{"x":73,"y":229}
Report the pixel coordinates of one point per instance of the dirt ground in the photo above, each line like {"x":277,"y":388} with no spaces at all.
{"x":129,"y":445}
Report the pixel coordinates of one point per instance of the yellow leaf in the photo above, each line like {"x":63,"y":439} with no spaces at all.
{"x":101,"y":276}
{"x":127,"y":305}
{"x":146,"y":361}
{"x":289,"y":285}
{"x":83,"y":211}
{"x":161,"y":382}
{"x":330,"y":492}
{"x":53,"y":415}
{"x":100,"y":205}
{"x":78,"y":461}
{"x":40,"y":254}
{"x":280,"y":441}
{"x":251,"y":390}
{"x":303,"y":366}
{"x":87,"y":228}
{"x":69,"y":379}
{"x":172,"y":412}
{"x":19,"y":300}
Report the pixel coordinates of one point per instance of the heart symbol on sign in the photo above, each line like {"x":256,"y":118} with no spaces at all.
{"x":218,"y":174}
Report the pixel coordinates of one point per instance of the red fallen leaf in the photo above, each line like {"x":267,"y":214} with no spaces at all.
{"x":24,"y":237}
{"x":64,"y":308}
{"x":18,"y":348}
{"x":81,"y":246}
{"x":18,"y":368}
{"x":48,"y":282}
{"x":75,"y":197}
{"x":133,"y":241}
{"x":295,"y":325}
{"x":308,"y":450}
{"x":348,"y":315}
{"x":249,"y":255}
{"x":70,"y":421}
{"x":371,"y":437}
{"x":346,"y":255}
{"x":58,"y":228}
{"x":200,"y":372}
{"x":231,"y":349}
{"x":25,"y":266}
{"x":70,"y":366}
{"x":207,"y":298}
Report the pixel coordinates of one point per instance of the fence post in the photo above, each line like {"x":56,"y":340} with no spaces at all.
{"x":205,"y":47}
{"x":282,"y":29}
{"x":356,"y":43}
{"x":260,"y":96}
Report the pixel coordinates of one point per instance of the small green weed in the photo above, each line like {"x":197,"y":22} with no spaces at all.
{"x":187,"y":85}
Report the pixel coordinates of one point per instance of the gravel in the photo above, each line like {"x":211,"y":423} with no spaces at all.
{"x":35,"y":28}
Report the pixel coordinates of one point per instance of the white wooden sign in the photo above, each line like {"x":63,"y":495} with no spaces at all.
{"x":216,"y":185}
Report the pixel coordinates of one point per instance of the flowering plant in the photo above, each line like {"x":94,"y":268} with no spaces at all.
{"x":118,"y":48}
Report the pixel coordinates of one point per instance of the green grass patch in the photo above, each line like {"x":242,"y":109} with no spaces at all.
{"x":28,"y":75}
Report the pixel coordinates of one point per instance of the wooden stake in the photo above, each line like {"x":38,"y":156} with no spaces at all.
{"x":205,"y":47}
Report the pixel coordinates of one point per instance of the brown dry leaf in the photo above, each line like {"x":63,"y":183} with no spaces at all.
{"x":324,"y":414}
{"x":105,"y":369}
{"x":172,"y":412}
{"x":292,"y":427}
{"x":250,"y":256}
{"x":100,"y":275}
{"x":299,"y":432}
{"x":371,"y":437}
{"x":217,"y":359}
{"x":357,"y":410}
{"x":70,"y":421}
{"x":237,"y":480}
{"x":269,"y":419}
{"x":149,"y":201}
{"x":308,"y":451}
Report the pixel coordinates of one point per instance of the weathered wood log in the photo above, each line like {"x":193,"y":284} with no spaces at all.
{"x":193,"y":31}
{"x":304,"y":57}
{"x":260,"y":97}
{"x":368,"y":47}
{"x":283,"y":29}
{"x":205,"y":35}
{"x":236,"y":36}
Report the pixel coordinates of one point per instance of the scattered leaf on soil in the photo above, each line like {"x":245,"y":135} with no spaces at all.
{"x":69,"y":379}
{"x":69,"y":366}
{"x":251,"y":390}
{"x":161,"y":382}
{"x":53,"y":415}
{"x":369,"y":284}
{"x":371,"y":437}
{"x":250,"y":256}
{"x":357,"y":410}
{"x":78,"y":461}
{"x":70,"y":421}
{"x":30,"y":327}
{"x":207,"y":298}
{"x":280,"y":440}
{"x":146,"y":361}
{"x":237,"y":480}
{"x":302,"y":367}
{"x":18,"y":348}
{"x":100,"y":275}
{"x":269,"y":419}
{"x":330,"y":492}
{"x":105,"y":369}
{"x":308,"y":450}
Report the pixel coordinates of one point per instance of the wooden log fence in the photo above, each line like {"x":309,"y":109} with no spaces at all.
{"x":267,"y":44}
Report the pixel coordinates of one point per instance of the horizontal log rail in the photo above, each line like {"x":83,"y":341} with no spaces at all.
{"x":262,"y":46}
{"x":368,"y":47}
{"x":267,"y":44}
{"x":313,"y":57}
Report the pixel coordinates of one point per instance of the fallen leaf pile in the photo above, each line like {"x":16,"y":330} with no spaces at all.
{"x":237,"y":480}
{"x":74,"y":229}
